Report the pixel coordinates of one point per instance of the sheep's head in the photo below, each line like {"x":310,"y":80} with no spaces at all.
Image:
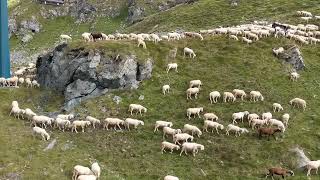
{"x":191,"y":138}
{"x":291,"y":173}
{"x":88,"y":123}
{"x":246,"y":113}
{"x":145,"y":110}
{"x":141,"y":122}
{"x":290,"y":102}
{"x":178,"y":131}
{"x":199,"y":133}
{"x":170,"y":124}
{"x":23,"y":111}
{"x":201,"y":109}
{"x":221,"y":127}
{"x":201,"y":147}
{"x":48,"y":137}
{"x":262,"y":98}
{"x":71,"y":116}
{"x":177,"y":147}
{"x":244,"y":130}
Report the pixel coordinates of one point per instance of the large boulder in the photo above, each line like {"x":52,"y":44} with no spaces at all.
{"x":293,"y":56}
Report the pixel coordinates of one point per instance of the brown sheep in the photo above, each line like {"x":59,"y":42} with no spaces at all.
{"x":279,"y":171}
{"x":268,"y":131}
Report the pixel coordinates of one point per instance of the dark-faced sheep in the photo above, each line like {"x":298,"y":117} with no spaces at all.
{"x":280,"y":172}
{"x":268,"y":132}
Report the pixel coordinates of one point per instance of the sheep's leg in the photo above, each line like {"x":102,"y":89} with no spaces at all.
{"x":155,"y":129}
{"x":181,"y":151}
{"x":119,"y":126}
{"x":308,"y":173}
{"x":82,"y":127}
{"x":217,"y":130}
{"x":171,"y":151}
{"x":198,"y":114}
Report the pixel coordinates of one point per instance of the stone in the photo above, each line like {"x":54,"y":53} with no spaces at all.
{"x":78,"y":89}
{"x":50,"y":145}
{"x":27,"y":38}
{"x":32,"y":25}
{"x":302,"y":159}
{"x":144,"y":70}
{"x":13,"y":27}
{"x":141,"y":97}
{"x":293,"y":56}
{"x":135,"y":14}
{"x":117,"y":99}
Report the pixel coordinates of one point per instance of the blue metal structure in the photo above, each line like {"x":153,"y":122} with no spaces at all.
{"x":4,"y":41}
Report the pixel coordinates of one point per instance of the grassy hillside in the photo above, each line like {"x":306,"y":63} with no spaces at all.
{"x":222,"y":65}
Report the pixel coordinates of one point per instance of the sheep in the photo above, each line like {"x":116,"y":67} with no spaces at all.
{"x":138,"y":108}
{"x":317,"y":17}
{"x":228,"y":96}
{"x":193,"y":34}
{"x":173,"y":53}
{"x":210,"y":116}
{"x":64,"y":37}
{"x":268,"y":131}
{"x":133,"y":122}
{"x":239,"y":116}
{"x":35,"y":84}
{"x":259,"y":122}
{"x":173,"y":36}
{"x":43,"y":120}
{"x":279,"y":171}
{"x":195,"y":83}
{"x":277,"y":107}
{"x":78,"y":123}
{"x":182,"y":137}
{"x":165,"y":37}
{"x":155,"y":38}
{"x":298,"y":102}
{"x":80,"y":170}
{"x":168,"y":145}
{"x":172,"y":66}
{"x":278,"y":51}
{"x":3,"y":82}
{"x":87,"y":177}
{"x":312,"y":165}
{"x":13,"y":81}
{"x":142,"y":43}
{"x":14,"y":104}
{"x":192,"y":91}
{"x":20,"y":72}
{"x":193,"y":129}
{"x":239,"y":93}
{"x":96,"y":36}
{"x":65,"y":116}
{"x":194,"y":111}
{"x":214,"y":96}
{"x":16,"y":111}
{"x":212,"y":125}
{"x":62,"y":123}
{"x":194,"y":147}
{"x":168,"y":177}
{"x":95,"y":168}
{"x":113,"y":121}
{"x":104,"y":36}
{"x":29,"y":113}
{"x":285,"y":119}
{"x":294,"y":76}
{"x":234,"y":37}
{"x":165,"y":89}
{"x":252,"y":116}
{"x":253,"y":36}
{"x":161,"y":124}
{"x":255,"y":96}
{"x":306,"y":18}
{"x":277,"y":123}
{"x":93,"y":121}
{"x":86,"y":36}
{"x":190,"y":52}
{"x":238,"y":131}
{"x":37,"y":130}
{"x":170,"y":131}
{"x":248,"y":41}
{"x":28,"y":82}
{"x":21,"y":81}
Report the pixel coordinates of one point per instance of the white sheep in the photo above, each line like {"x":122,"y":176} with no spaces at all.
{"x":193,"y":147}
{"x":252,"y":116}
{"x":228,"y":96}
{"x":298,"y":102}
{"x":81,"y":124}
{"x":35,"y":84}
{"x":214,"y":96}
{"x":213,"y":125}
{"x":312,"y":165}
{"x":21,"y":81}
{"x":93,"y":121}
{"x":16,"y":111}
{"x":182,"y":137}
{"x":43,"y":120}
{"x":210,"y":116}
{"x":187,"y":128}
{"x":37,"y":130}
{"x":138,"y":108}
{"x":80,"y":170}
{"x":306,"y":18}
{"x":116,"y":122}
{"x":28,"y":82}
{"x":234,"y":37}
{"x":20,"y":72}
{"x":65,"y":37}
{"x":14,"y":104}
{"x":13,"y":81}
{"x":248,"y":41}
{"x":239,"y":116}
{"x":258,"y":122}
{"x":168,"y":177}
{"x":188,"y":51}
{"x":29,"y":113}
{"x":134,"y":122}
{"x":161,"y":124}
{"x":65,"y":116}
{"x":266,"y":116}
{"x":167,"y":145}
{"x":255,"y":96}
{"x":155,"y":38}
{"x":294,"y":76}
{"x":61,"y":123}
{"x":3,"y":82}
{"x":165,"y":89}
{"x":172,"y":66}
{"x":95,"y":168}
{"x":277,"y":107}
{"x":194,"y":112}
{"x":236,"y":129}
{"x":279,"y":124}
{"x":86,"y":36}
{"x":195,"y":83}
{"x":278,"y":51}
{"x":87,"y":177}
{"x":192,"y":91}
{"x":285,"y":119}
{"x":142,"y":43}
{"x":170,"y":131}
{"x":239,"y":93}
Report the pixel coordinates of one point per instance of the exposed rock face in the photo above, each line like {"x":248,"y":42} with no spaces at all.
{"x":172,"y":3}
{"x":31,"y":25}
{"x":13,"y":27}
{"x":302,"y":159}
{"x":82,"y":74}
{"x":293,"y":56}
{"x":81,"y":10}
{"x":135,"y":13}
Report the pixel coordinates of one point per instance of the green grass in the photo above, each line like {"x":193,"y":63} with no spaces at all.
{"x":222,"y":65}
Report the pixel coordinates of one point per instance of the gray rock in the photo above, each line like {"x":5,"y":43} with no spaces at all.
{"x":144,"y":70}
{"x":135,"y":14}
{"x":81,"y":10}
{"x":141,"y":97}
{"x":13,"y":28}
{"x":78,"y":89}
{"x":302,"y":159}
{"x":294,"y":57}
{"x":27,"y":38}
{"x":32,"y":25}
{"x":50,"y":145}
{"x":12,"y":176}
{"x":117,"y":99}
{"x":172,"y":3}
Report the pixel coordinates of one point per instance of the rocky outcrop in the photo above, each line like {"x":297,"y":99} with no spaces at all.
{"x":30,"y":25}
{"x":293,"y":56}
{"x":13,"y":27}
{"x":81,"y":74}
{"x":172,"y":3}
{"x":81,"y":10}
{"x":135,"y":13}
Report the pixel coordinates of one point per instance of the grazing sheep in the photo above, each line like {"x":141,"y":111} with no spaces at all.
{"x":161,"y":124}
{"x":87,"y":177}
{"x":210,"y":116}
{"x":278,"y":51}
{"x":28,"y":82}
{"x":172,"y":66}
{"x":187,"y":128}
{"x":93,"y":121}
{"x":3,"y":82}
{"x":248,"y":41}
{"x":266,"y":116}
{"x":239,"y":116}
{"x":16,"y":111}
{"x":193,"y":147}
{"x":86,"y":36}
{"x":258,"y":122}
{"x":192,"y":91}
{"x":21,"y":81}
{"x":294,"y":76}
{"x":65,"y":116}
{"x":182,"y":137}
{"x":95,"y":168}
{"x":212,"y":125}
{"x":65,"y":37}
{"x":306,"y":18}
{"x":35,"y":84}
{"x":228,"y":96}
{"x":116,"y":122}
{"x":142,"y":43}
{"x":312,"y":165}
{"x":252,"y":116}
{"x":234,"y":37}
{"x":13,"y":81}
{"x":280,"y":172}
{"x":268,"y":131}
{"x":62,"y":123}
{"x":190,"y":52}
{"x":168,"y":145}
{"x":137,"y":108}
{"x":239,"y":93}
{"x":195,"y":83}
{"x":37,"y":130}
{"x":29,"y":113}
{"x":170,"y":131}
{"x":279,"y":124}
{"x":165,"y":89}
{"x":277,"y":107}
{"x":43,"y":120}
{"x":194,"y":111}
{"x":297,"y":102}
{"x":255,"y":96}
{"x":168,"y":177}
{"x":173,"y":53}
{"x":214,"y":96}
{"x":14,"y":104}
{"x":80,"y":170}
{"x":82,"y":124}
{"x":238,"y":131}
{"x":134,"y":122}
{"x":285,"y":119}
